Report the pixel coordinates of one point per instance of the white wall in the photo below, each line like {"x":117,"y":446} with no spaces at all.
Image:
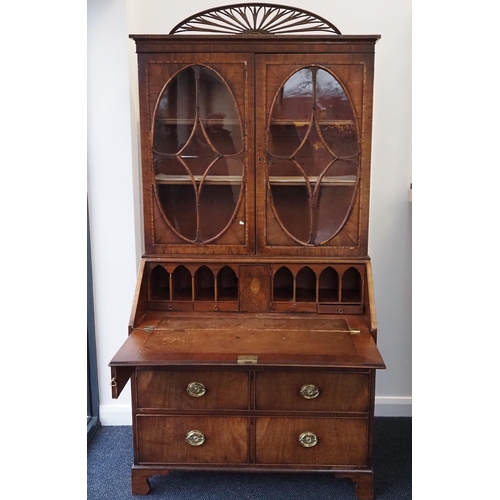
{"x":110,"y":190}
{"x":114,"y":184}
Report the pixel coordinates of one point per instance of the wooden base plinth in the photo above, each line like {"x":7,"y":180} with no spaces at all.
{"x":364,"y":481}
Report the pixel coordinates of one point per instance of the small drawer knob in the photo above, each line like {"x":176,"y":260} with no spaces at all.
{"x":309,"y":391}
{"x":308,"y":439}
{"x":195,"y":438}
{"x":196,"y":389}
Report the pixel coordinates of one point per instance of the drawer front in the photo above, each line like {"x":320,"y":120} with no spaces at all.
{"x":162,"y":440}
{"x":339,"y":441}
{"x":341,"y":392}
{"x":168,"y":389}
{"x":294,"y":306}
{"x":164,"y":305}
{"x":340,"y":309}
{"x":230,"y":305}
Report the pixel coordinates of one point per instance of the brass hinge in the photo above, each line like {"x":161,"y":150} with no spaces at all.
{"x":247,"y":360}
{"x":354,"y":331}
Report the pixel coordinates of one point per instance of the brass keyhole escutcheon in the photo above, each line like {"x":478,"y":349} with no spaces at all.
{"x":196,"y":389}
{"x":308,"y":439}
{"x":309,"y":391}
{"x":195,"y":438}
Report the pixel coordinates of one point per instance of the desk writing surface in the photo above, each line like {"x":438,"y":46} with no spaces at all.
{"x":275,"y":340}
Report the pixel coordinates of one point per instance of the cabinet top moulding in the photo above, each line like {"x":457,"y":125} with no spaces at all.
{"x":330,"y":44}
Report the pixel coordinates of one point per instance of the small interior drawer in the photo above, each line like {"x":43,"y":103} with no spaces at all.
{"x":218,"y":440}
{"x":339,"y":441}
{"x":340,"y":309}
{"x":313,"y":391}
{"x":185,"y":390}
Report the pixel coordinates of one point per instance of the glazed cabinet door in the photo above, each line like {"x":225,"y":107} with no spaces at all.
{"x":198,"y":182}
{"x":313,"y":129}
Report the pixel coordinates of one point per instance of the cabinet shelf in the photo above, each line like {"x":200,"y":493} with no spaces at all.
{"x":337,"y":180}
{"x":214,"y":180}
{"x":190,"y":121}
{"x":301,"y":123}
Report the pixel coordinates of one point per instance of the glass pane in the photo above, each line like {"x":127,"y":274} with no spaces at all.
{"x":197,"y":153}
{"x":175,"y":113}
{"x":313,"y":157}
{"x":197,"y":135}
{"x":342,"y":139}
{"x":167,"y":167}
{"x":333,"y":200}
{"x":218,"y":113}
{"x":176,"y":102}
{"x":219,"y":195}
{"x":314,"y":150}
{"x":169,"y":138}
{"x":331,"y":100}
{"x":179,"y":205}
{"x":290,"y":198}
{"x":295,"y":99}
{"x":285,"y":139}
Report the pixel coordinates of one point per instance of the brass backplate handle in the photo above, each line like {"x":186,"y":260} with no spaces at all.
{"x":308,"y":439}
{"x":309,"y":391}
{"x":195,"y":438}
{"x":196,"y":389}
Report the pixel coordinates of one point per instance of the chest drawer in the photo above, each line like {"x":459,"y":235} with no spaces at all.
{"x":192,"y":439}
{"x":319,"y":441}
{"x":186,"y":390}
{"x":313,"y":391}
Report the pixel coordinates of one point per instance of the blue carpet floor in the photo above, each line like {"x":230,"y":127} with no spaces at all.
{"x":110,"y":458}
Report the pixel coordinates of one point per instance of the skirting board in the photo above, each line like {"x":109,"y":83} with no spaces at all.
{"x":115,"y":414}
{"x":393,"y":407}
{"x":384,"y":407}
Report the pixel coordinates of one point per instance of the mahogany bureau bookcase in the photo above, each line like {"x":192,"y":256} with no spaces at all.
{"x":252,"y":338}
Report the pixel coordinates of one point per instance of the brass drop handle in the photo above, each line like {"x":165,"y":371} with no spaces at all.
{"x":309,"y":391}
{"x":195,"y":438}
{"x":308,"y":439}
{"x":196,"y":389}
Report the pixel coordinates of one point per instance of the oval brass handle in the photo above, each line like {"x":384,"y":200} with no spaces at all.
{"x":195,"y":438}
{"x":196,"y":389}
{"x":308,"y":439}
{"x":309,"y":391}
